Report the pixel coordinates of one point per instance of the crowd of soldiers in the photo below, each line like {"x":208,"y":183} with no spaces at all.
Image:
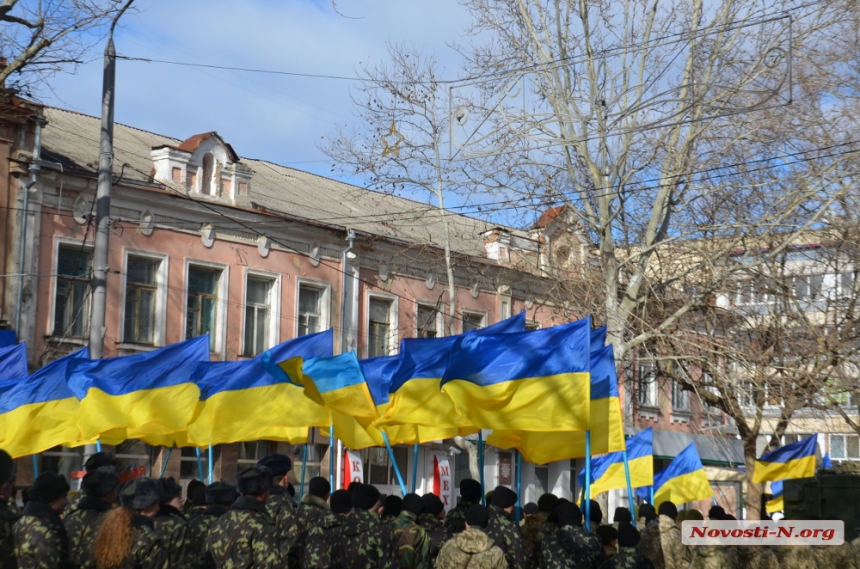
{"x":255,"y":523}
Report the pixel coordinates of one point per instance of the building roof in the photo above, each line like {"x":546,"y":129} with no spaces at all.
{"x":548,"y":217}
{"x":73,"y":140}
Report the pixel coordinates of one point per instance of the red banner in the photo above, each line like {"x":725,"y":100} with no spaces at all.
{"x":442,"y":478}
{"x":353,"y":468}
{"x":132,"y":473}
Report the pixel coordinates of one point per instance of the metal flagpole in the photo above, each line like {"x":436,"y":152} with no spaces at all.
{"x":199,"y":464}
{"x":211,"y":465}
{"x":414,"y":468}
{"x":35,"y":465}
{"x":304,"y":467}
{"x":394,"y":463}
{"x":519,"y":485}
{"x":587,"y":497}
{"x":652,"y":495}
{"x":481,"y":467}
{"x":166,"y":461}
{"x":629,"y":488}
{"x":331,"y":452}
{"x":98,"y":445}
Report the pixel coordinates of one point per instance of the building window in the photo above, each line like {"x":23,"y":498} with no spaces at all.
{"x":310,"y":309}
{"x":532,"y":325}
{"x":71,"y":304}
{"x":379,"y":327}
{"x":809,"y":287}
{"x":377,"y":465}
{"x":208,"y":171}
{"x":243,"y":188}
{"x":190,"y":465}
{"x":428,"y":322}
{"x":140,"y":300}
{"x":473,"y":321}
{"x":191,"y":179}
{"x":132,"y":454}
{"x":541,"y":480}
{"x":62,"y":460}
{"x":646,"y":387}
{"x":176,"y":174}
{"x":680,"y":397}
{"x":313,"y":465}
{"x":845,"y":447}
{"x":201,"y":304}
{"x":258,"y":309}
{"x":251,"y":452}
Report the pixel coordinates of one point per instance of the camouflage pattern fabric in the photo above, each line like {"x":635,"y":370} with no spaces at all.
{"x":82,"y":525}
{"x":199,"y":530}
{"x":627,"y":558}
{"x":175,"y":533}
{"x":74,"y":503}
{"x":795,"y":557}
{"x":571,"y":547}
{"x":530,"y":527}
{"x":472,"y":549}
{"x":411,"y":541}
{"x":40,"y":539}
{"x":437,"y":533}
{"x":308,"y":537}
{"x":191,"y":511}
{"x":712,"y":557}
{"x":8,"y":517}
{"x":245,"y":537}
{"x":282,"y":510}
{"x":455,"y":521}
{"x":147,"y":551}
{"x":832,"y":556}
{"x":362,"y":541}
{"x":756,"y":558}
{"x":660,"y":541}
{"x":509,"y":537}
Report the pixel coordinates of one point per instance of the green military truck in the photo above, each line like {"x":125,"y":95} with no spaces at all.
{"x":833,"y":493}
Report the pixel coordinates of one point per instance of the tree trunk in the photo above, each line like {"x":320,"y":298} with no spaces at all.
{"x":754,"y":490}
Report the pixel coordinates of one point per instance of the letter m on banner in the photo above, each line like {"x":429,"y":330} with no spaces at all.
{"x":353,"y":468}
{"x":442,"y":482}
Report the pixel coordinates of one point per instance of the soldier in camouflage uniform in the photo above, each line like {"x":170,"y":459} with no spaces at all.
{"x":836,"y":555}
{"x":470,"y":494}
{"x":95,"y":461}
{"x":173,"y":528}
{"x":627,"y":556}
{"x":41,"y":541}
{"x":246,"y":537}
{"x":571,"y":547}
{"x":661,"y":540}
{"x":8,"y":517}
{"x":280,"y":506}
{"x":472,"y":548}
{"x":99,"y":489}
{"x":795,"y":557}
{"x":536,"y":527}
{"x":756,"y":557}
{"x":314,"y":523}
{"x":502,"y":529}
{"x":195,"y":500}
{"x":219,"y":496}
{"x":391,"y":508}
{"x":433,"y":522}
{"x":362,"y":541}
{"x":411,"y":541}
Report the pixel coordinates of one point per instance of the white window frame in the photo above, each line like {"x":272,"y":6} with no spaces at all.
{"x":275,"y":299}
{"x":394,"y":313}
{"x":325,"y":302}
{"x":653,"y":387}
{"x":222,"y":291}
{"x":71,"y":243}
{"x":844,"y":437}
{"x":482,"y":315}
{"x":440,"y":317}
{"x":678,"y":392}
{"x":159,"y":338}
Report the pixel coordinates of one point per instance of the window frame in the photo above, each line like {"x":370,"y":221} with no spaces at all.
{"x":653,"y":401}
{"x":325,"y":302}
{"x":440,"y":322}
{"x":681,"y":400}
{"x":161,"y":276}
{"x":221,"y":302}
{"x":274,"y":303}
{"x":482,"y":315}
{"x":52,"y":316}
{"x":393,"y":315}
{"x":844,"y":437}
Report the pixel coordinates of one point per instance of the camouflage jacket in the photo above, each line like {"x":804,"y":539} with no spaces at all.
{"x":147,"y":551}
{"x":509,"y":537}
{"x":627,"y":558}
{"x":7,"y":542}
{"x":82,"y":525}
{"x":660,"y":541}
{"x":74,"y":503}
{"x":471,"y":549}
{"x":571,"y":547}
{"x":192,"y":511}
{"x":756,"y":557}
{"x":199,"y":528}
{"x":836,"y":556}
{"x":455,"y":521}
{"x":308,"y":537}
{"x":411,"y":541}
{"x":282,"y":510}
{"x":362,"y":541}
{"x":530,"y":531}
{"x":437,"y":533}
{"x":712,"y":557}
{"x":175,"y":533}
{"x":795,"y":557}
{"x":40,"y":539}
{"x":244,"y":537}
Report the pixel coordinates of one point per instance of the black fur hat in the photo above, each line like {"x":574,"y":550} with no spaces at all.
{"x":432,"y":504}
{"x":48,"y":487}
{"x":364,"y":496}
{"x":471,"y":490}
{"x":568,"y":514}
{"x":100,"y":481}
{"x":477,"y":516}
{"x":169,"y":489}
{"x":199,"y":497}
{"x":392,"y":505}
{"x":99,"y":459}
{"x":140,"y":493}
{"x":255,"y":480}
{"x":503,"y":497}
{"x":280,"y":464}
{"x":413,"y":504}
{"x":221,"y":493}
{"x":192,"y":486}
{"x":319,"y":487}
{"x":341,"y":501}
{"x":547,"y":503}
{"x":7,"y":467}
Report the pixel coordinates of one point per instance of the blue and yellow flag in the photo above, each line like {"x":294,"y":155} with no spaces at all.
{"x":533,"y":381}
{"x":13,"y":362}
{"x":148,"y":394}
{"x":607,"y":472}
{"x":777,"y":503}
{"x":39,"y":412}
{"x":796,"y":460}
{"x":684,"y":480}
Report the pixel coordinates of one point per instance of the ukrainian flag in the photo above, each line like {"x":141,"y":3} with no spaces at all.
{"x":415,"y":397}
{"x":777,"y":503}
{"x":796,"y":460}
{"x":683,"y":481}
{"x":607,"y":472}
{"x":39,"y":412}
{"x":533,"y":381}
{"x":13,"y":362}
{"x":148,"y":394}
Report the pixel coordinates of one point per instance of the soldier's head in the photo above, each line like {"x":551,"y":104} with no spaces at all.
{"x":413,"y":504}
{"x":142,"y":495}
{"x":547,"y":503}
{"x":256,"y":481}
{"x":171,"y":493}
{"x":648,"y":512}
{"x":628,"y":536}
{"x":433,"y":505}
{"x":191,"y":489}
{"x":568,"y":514}
{"x":530,"y":509}
{"x":609,"y":536}
{"x":103,"y":483}
{"x":319,"y":487}
{"x":694,"y":514}
{"x":198,"y":498}
{"x":622,"y":515}
{"x":280,"y":465}
{"x":504,"y":498}
{"x":51,"y":489}
{"x":668,"y":509}
{"x":366,"y":497}
{"x":7,"y":475}
{"x":221,"y":493}
{"x":391,"y":506}
{"x":99,"y":459}
{"x":716,"y":513}
{"x":341,"y":502}
{"x":470,"y":490}
{"x":595,"y":512}
{"x":477,"y":516}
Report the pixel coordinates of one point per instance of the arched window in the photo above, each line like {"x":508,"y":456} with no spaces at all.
{"x":206,"y":180}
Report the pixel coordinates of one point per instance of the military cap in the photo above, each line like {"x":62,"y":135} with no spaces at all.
{"x":547,"y":502}
{"x":628,"y":536}
{"x":169,"y":489}
{"x":221,"y":492}
{"x":471,"y":490}
{"x":622,"y":515}
{"x":47,"y":487}
{"x":392,"y":505}
{"x":99,"y":459}
{"x":716,"y":513}
{"x":280,"y":464}
{"x":503,"y":497}
{"x":647,"y":511}
{"x":7,"y":467}
{"x":413,"y":504}
{"x":477,"y":516}
{"x":100,"y":481}
{"x":607,"y":534}
{"x":140,"y":493}
{"x":695,"y":515}
{"x":432,"y":504}
{"x":364,"y":496}
{"x":341,"y":501}
{"x":669,"y":509}
{"x":191,"y":488}
{"x":319,"y":487}
{"x":199,"y":496}
{"x":531,"y":509}
{"x":568,"y":514}
{"x":596,"y":513}
{"x":255,"y":480}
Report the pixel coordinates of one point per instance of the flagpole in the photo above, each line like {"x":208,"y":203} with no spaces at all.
{"x":331,"y":452}
{"x":414,"y":467}
{"x":519,"y":485}
{"x":199,"y":464}
{"x":211,"y":465}
{"x":166,"y":461}
{"x":35,"y":466}
{"x":652,"y":494}
{"x":629,"y":487}
{"x":587,"y":498}
{"x":481,"y":467}
{"x":394,"y":463}
{"x":304,"y":467}
{"x":98,"y":445}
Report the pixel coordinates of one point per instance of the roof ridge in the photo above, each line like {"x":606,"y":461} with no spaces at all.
{"x":79,"y":113}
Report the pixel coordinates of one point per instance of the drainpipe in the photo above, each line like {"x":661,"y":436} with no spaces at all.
{"x":22,"y":251}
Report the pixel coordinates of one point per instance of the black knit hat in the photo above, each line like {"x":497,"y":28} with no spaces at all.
{"x":340,"y":501}
{"x":716,"y":513}
{"x":392,"y":505}
{"x":471,"y":490}
{"x":477,"y":516}
{"x":669,"y":509}
{"x":547,"y":503}
{"x":622,"y":514}
{"x":364,"y":496}
{"x":140,"y":493}
{"x":255,"y":480}
{"x":413,"y":504}
{"x":191,"y":488}
{"x":280,"y":464}
{"x":199,"y":496}
{"x":221,"y":492}
{"x":531,"y":509}
{"x":432,"y":504}
{"x":596,"y":513}
{"x":319,"y":487}
{"x":7,"y":467}
{"x":100,"y":481}
{"x":607,"y":534}
{"x":648,"y":512}
{"x":98,"y":460}
{"x":628,"y":536}
{"x":503,"y":497}
{"x":568,"y":514}
{"x":169,"y":489}
{"x":48,"y":487}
